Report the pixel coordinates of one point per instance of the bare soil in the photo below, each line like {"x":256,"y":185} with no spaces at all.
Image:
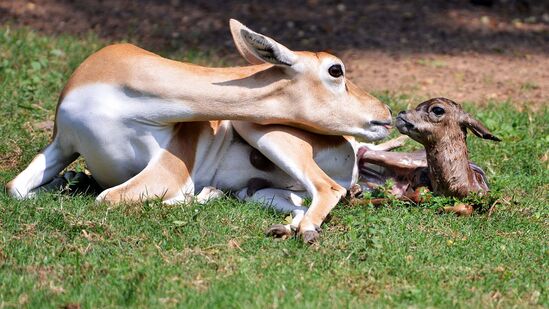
{"x":424,"y":48}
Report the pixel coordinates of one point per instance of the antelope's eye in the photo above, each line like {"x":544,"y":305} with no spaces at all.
{"x":335,"y":70}
{"x":439,"y":111}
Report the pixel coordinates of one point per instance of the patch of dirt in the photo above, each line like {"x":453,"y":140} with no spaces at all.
{"x":9,"y":160}
{"x":465,"y":77}
{"x":425,"y":48}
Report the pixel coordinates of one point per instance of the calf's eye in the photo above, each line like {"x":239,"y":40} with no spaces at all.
{"x":439,"y":111}
{"x":335,"y":70}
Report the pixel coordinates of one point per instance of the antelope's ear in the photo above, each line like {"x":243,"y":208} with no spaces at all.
{"x":477,"y":128}
{"x":257,"y":48}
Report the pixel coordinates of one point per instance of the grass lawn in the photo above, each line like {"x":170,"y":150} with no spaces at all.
{"x":58,"y":251}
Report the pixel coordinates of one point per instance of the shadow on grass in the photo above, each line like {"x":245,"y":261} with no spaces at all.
{"x":389,"y":26}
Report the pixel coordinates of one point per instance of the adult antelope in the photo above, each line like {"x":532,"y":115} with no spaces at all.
{"x":149,"y":126}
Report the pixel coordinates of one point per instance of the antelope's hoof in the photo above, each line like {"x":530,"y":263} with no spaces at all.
{"x":72,"y":183}
{"x":57,"y":184}
{"x":279,"y":231}
{"x":310,"y":237}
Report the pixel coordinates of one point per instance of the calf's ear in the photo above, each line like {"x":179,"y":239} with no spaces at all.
{"x":477,"y":127}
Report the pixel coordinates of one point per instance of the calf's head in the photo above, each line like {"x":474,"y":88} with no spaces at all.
{"x":440,"y":119}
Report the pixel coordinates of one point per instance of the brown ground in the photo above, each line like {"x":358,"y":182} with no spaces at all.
{"x":424,"y":48}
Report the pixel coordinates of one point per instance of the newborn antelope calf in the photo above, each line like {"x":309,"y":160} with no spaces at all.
{"x":440,"y":125}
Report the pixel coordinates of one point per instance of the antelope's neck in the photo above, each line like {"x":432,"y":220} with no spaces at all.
{"x":448,"y":162}
{"x":248,"y":93}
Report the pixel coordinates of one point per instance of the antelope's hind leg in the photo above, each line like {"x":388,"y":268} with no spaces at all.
{"x":46,"y":165}
{"x":167,"y":176}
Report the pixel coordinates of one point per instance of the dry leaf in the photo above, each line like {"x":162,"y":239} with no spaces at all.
{"x":233,"y":244}
{"x":460,"y":209}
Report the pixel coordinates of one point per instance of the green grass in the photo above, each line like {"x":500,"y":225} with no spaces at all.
{"x":58,"y":250}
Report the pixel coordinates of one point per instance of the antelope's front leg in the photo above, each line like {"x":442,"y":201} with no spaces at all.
{"x":325,"y":196}
{"x":293,"y":151}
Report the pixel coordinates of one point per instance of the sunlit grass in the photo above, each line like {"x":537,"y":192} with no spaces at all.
{"x":58,"y":250}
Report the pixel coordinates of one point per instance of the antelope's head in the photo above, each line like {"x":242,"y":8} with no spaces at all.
{"x":317,"y":96}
